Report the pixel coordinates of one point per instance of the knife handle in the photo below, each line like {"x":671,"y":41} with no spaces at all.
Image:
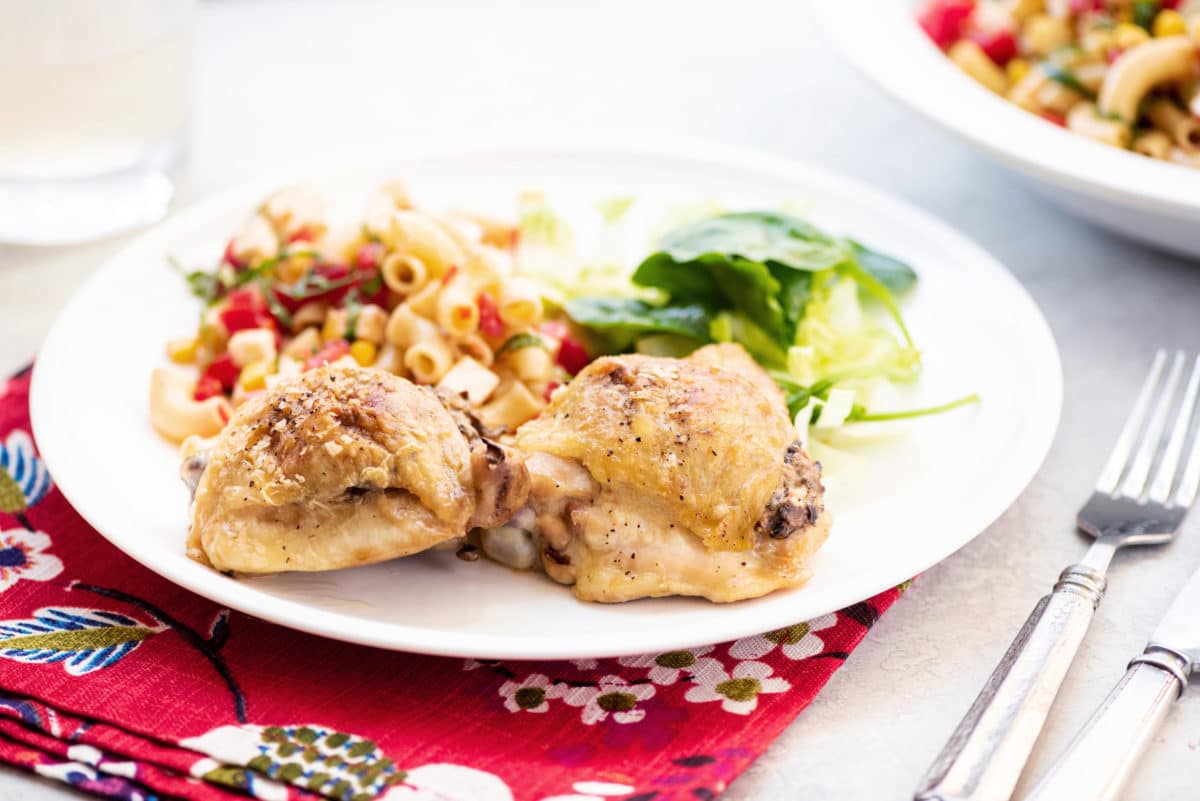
{"x":1102,"y":756}
{"x":985,"y":755}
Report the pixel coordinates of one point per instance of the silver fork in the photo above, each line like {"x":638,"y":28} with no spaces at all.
{"x":1141,"y":497}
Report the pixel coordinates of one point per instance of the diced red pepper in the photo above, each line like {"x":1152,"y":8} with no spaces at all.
{"x":1000,"y":45}
{"x":572,"y":356}
{"x":944,"y":20}
{"x":247,"y":308}
{"x":223,"y":371}
{"x":489,"y":316}
{"x":553,"y":385}
{"x":329,"y":352}
{"x":237,"y":319}
{"x":1057,"y":119}
{"x":303,"y":235}
{"x":1172,"y":4}
{"x":247,"y":297}
{"x":1084,"y":6}
{"x":207,"y":387}
{"x":369,"y":256}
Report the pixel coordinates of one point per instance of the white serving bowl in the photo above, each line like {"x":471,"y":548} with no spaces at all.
{"x":1156,"y":202}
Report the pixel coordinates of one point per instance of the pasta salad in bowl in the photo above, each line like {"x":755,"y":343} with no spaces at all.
{"x":1120,"y":72}
{"x":1095,"y":100}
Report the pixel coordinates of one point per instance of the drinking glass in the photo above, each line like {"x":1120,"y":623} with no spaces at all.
{"x":94,"y":104}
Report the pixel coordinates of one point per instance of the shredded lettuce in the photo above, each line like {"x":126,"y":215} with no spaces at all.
{"x":614,"y":208}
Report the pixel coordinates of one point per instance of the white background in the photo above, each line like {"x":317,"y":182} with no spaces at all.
{"x":280,"y":83}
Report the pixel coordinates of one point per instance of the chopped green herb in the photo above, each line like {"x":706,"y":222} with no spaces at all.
{"x":524,"y":339}
{"x":1065,"y":77}
{"x":1144,"y":12}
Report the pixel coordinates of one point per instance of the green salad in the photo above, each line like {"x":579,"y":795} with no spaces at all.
{"x":820,"y":313}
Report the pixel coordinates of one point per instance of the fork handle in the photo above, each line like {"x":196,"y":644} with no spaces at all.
{"x":985,"y":755}
{"x":1101,"y":758}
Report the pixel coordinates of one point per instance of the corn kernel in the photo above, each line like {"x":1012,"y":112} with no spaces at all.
{"x":336,"y":322}
{"x":363,"y":352}
{"x":1017,"y":69}
{"x":254,"y":376}
{"x":1128,"y":35}
{"x":1169,"y":22}
{"x":182,"y":351}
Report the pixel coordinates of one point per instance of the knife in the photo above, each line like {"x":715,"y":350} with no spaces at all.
{"x":1105,"y":753}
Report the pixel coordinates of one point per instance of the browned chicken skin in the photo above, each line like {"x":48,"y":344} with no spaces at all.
{"x":645,"y":477}
{"x":344,"y":467}
{"x":655,"y":476}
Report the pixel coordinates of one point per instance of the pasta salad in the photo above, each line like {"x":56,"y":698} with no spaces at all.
{"x":1122,"y":72}
{"x":429,"y":296}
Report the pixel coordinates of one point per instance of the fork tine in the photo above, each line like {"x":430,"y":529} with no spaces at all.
{"x":1164,"y":479}
{"x":1135,"y":481}
{"x":1107,"y":483}
{"x":1185,"y":495}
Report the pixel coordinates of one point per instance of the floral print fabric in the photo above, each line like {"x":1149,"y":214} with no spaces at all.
{"x":125,"y":686}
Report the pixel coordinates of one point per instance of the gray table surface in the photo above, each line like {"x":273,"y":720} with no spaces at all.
{"x":278,"y":84}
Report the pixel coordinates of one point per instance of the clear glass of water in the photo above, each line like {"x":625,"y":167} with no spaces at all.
{"x":94,"y":104}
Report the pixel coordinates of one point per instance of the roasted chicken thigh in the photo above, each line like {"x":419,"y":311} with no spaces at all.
{"x":340,"y":467}
{"x":645,"y":477}
{"x":654,"y":476}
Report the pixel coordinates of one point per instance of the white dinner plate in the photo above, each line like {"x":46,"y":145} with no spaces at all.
{"x":900,"y":504}
{"x":1143,"y":198}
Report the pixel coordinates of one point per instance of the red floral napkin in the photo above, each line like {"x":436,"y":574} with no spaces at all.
{"x":123,"y":685}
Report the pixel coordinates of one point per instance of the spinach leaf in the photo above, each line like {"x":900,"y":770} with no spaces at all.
{"x":523,"y":339}
{"x":758,"y":236}
{"x":717,"y":280}
{"x":795,"y":288}
{"x":894,"y":274}
{"x":622,"y":320}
